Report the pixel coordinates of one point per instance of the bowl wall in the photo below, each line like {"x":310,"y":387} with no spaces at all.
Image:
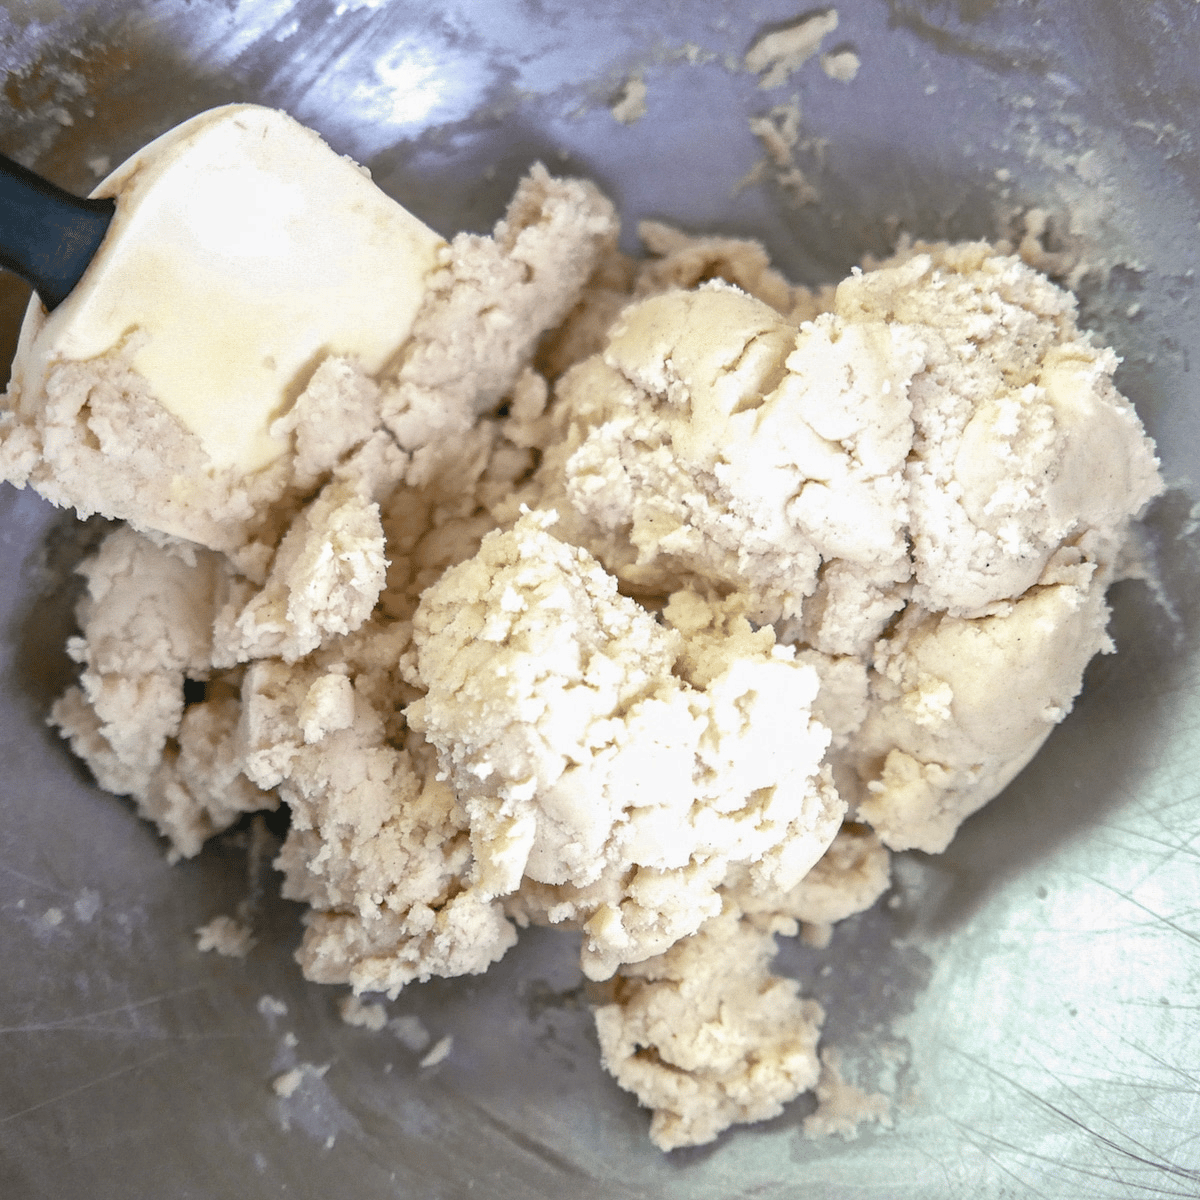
{"x":1031,"y":996}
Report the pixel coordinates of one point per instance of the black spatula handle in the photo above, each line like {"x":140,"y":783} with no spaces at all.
{"x":47,"y":236}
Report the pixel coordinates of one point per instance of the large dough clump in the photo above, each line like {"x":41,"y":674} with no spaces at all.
{"x":944,"y":441}
{"x":712,"y":444}
{"x":147,"y":622}
{"x":659,"y":601}
{"x":587,"y":764}
{"x":707,"y":1036}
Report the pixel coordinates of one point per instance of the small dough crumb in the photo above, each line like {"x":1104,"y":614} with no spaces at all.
{"x":285,"y":1085}
{"x":631,"y":105}
{"x":227,"y":936}
{"x":778,"y":54}
{"x":438,"y":1052}
{"x":842,"y":65}
{"x":779,"y":132}
{"x":842,"y":1107}
{"x":354,"y":1011}
{"x":271,"y":1007}
{"x":289,"y":1083}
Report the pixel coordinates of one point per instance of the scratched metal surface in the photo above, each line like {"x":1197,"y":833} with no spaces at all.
{"x":1033,"y":995}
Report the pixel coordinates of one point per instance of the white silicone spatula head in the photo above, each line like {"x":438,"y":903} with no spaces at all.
{"x":241,"y":252}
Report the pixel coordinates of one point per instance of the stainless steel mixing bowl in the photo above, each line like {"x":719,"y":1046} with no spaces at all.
{"x":1032,"y":996}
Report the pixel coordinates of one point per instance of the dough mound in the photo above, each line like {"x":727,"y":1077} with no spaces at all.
{"x":935,"y":479}
{"x":658,"y":600}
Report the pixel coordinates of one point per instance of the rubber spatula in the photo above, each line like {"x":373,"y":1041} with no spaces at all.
{"x":48,"y":236}
{"x":221,"y":263}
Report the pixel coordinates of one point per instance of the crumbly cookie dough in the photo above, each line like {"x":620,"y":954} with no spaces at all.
{"x":659,"y":600}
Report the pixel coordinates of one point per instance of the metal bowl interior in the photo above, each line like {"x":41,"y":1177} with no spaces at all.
{"x":1031,"y":995}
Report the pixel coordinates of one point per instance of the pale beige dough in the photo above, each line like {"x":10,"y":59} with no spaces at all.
{"x":707,"y":1036}
{"x":591,"y":760}
{"x":226,"y":936}
{"x":659,"y":600}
